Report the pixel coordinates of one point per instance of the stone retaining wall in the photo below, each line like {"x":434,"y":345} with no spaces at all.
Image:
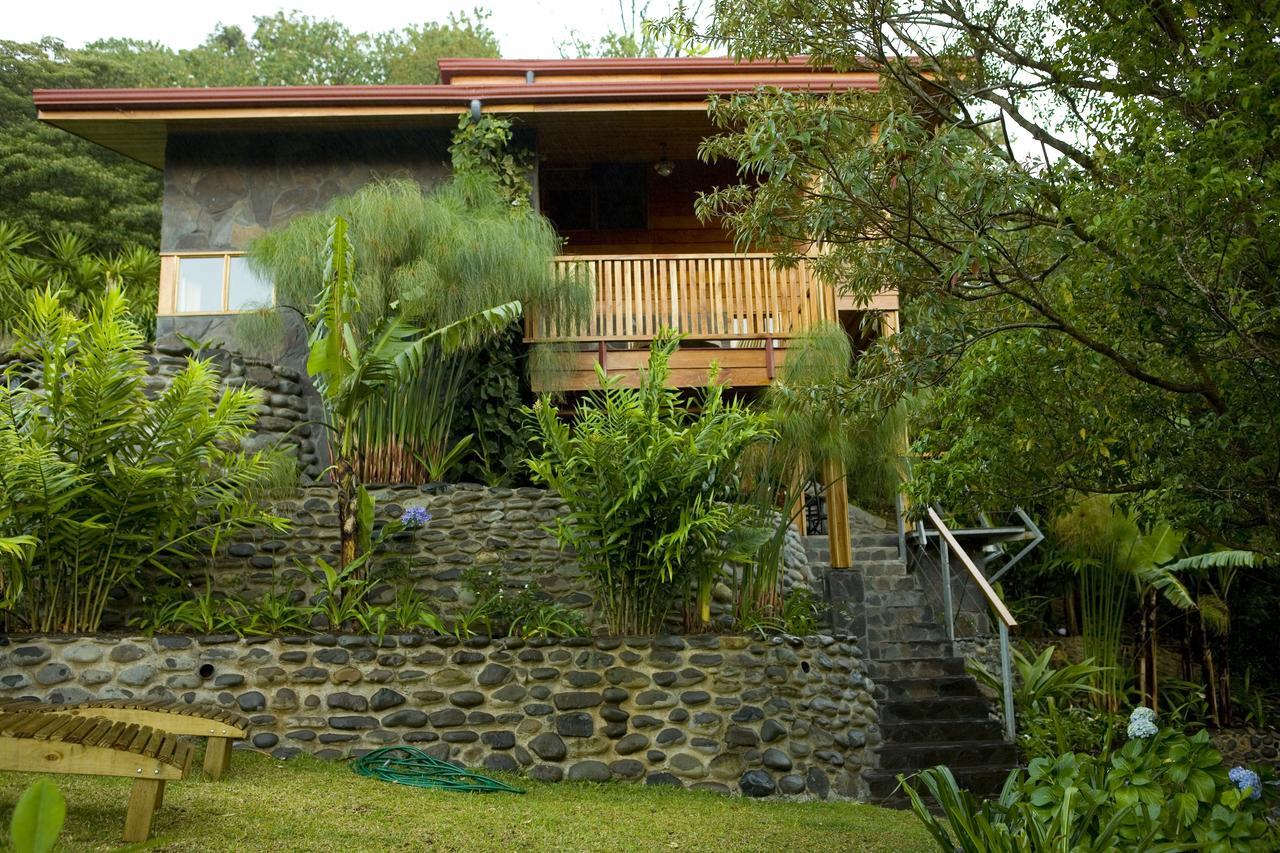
{"x":289,"y":405}
{"x":472,"y":527}
{"x":1251,"y":747}
{"x":730,"y":714}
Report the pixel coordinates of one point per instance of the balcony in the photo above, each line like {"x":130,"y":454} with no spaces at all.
{"x":737,"y":311}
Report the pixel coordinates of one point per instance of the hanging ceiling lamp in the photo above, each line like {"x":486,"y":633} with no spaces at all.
{"x":664,"y":167}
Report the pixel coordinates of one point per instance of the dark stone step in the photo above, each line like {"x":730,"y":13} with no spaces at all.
{"x":906,"y":632}
{"x":890,"y":669}
{"x":941,"y":731}
{"x":930,"y":687}
{"x":984,"y":781}
{"x":896,"y":650}
{"x":956,"y":708}
{"x":903,"y":757}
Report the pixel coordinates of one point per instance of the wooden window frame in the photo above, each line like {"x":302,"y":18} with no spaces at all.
{"x":170,"y":282}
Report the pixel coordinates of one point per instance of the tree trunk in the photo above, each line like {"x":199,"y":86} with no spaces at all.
{"x":1148,"y":648}
{"x":348,"y":512}
{"x":1209,"y":674}
{"x":1069,"y":609}
{"x":1224,"y":683}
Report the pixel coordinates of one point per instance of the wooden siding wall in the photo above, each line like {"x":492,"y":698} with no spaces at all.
{"x":673,"y":227}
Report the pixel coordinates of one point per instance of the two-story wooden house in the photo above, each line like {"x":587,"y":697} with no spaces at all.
{"x":616,"y":171}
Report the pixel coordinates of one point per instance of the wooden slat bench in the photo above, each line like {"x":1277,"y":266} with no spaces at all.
{"x":37,"y":742}
{"x":220,"y":727}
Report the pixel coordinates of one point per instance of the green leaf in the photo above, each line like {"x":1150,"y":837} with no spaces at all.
{"x":37,"y":818}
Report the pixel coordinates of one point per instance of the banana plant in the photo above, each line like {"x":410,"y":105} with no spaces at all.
{"x":352,"y":367}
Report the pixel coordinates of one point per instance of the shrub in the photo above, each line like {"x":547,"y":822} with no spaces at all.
{"x":100,"y":485}
{"x":501,"y":611}
{"x":652,"y":485}
{"x":1163,"y":790}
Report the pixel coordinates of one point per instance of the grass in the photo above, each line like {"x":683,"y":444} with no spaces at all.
{"x":306,"y":804}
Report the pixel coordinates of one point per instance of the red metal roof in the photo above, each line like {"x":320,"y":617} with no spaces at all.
{"x":649,"y":65}
{"x":321,"y":96}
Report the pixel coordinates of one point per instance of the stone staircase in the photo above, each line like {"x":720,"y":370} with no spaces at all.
{"x":931,"y":711}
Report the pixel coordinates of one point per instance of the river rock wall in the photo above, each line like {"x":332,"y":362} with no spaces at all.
{"x":726,"y":713}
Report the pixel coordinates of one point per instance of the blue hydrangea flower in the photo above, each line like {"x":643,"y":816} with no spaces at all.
{"x":1246,"y":780}
{"x":414,"y":517}
{"x":1142,"y":723}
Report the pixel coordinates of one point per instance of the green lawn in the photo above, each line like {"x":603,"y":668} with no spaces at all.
{"x":305,"y":804}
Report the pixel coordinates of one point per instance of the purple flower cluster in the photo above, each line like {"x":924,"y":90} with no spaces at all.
{"x":1246,"y":780}
{"x":415,"y":517}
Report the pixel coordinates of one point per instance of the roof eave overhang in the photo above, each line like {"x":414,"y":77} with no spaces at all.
{"x":100,"y":115}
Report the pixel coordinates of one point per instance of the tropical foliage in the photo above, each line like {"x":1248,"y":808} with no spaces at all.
{"x":356,"y":366}
{"x":53,"y":182}
{"x":100,"y":485}
{"x":1121,"y":566}
{"x":65,"y":263}
{"x":1052,"y":704}
{"x":433,"y":260}
{"x":653,"y":487}
{"x":1162,"y":789}
{"x":1084,"y":193}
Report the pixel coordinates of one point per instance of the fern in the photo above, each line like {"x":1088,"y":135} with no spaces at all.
{"x":99,"y":486}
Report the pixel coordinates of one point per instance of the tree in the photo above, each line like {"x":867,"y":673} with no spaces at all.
{"x":1094,"y":179}
{"x":355,"y":364}
{"x":411,"y":55}
{"x":636,"y":36}
{"x":51,"y":181}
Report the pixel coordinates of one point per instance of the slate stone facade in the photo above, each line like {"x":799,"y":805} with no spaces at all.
{"x":222,"y":191}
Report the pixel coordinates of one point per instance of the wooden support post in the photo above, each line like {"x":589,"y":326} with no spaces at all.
{"x":902,"y":442}
{"x":601,"y":355}
{"x":768,"y":357}
{"x":217,"y":756}
{"x":838,"y":537}
{"x":144,"y":799}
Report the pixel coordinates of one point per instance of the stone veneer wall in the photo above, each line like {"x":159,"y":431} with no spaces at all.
{"x":472,"y":527}
{"x":223,"y":190}
{"x":731,"y":714}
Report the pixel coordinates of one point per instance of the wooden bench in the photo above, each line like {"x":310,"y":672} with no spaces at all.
{"x":220,"y":727}
{"x":37,"y":742}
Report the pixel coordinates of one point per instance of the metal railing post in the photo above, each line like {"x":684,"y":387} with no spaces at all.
{"x":944,"y":552}
{"x":902,"y":526}
{"x":1006,"y":680}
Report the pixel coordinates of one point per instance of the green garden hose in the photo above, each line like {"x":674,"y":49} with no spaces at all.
{"x":406,"y":765}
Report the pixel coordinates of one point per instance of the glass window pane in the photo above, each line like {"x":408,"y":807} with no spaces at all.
{"x":199,"y":285}
{"x":247,"y":290}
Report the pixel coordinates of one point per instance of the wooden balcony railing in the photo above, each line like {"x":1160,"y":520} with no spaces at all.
{"x":729,"y":297}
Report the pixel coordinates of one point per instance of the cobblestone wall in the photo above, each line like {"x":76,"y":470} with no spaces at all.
{"x":730,"y":714}
{"x":472,"y":527}
{"x":289,"y":406}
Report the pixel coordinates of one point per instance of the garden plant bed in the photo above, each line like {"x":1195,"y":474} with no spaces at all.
{"x":310,"y":805}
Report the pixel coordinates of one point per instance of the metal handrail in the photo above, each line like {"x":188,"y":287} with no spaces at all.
{"x":1005,"y":618}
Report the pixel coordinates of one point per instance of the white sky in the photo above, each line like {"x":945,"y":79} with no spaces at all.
{"x":526,"y":29}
